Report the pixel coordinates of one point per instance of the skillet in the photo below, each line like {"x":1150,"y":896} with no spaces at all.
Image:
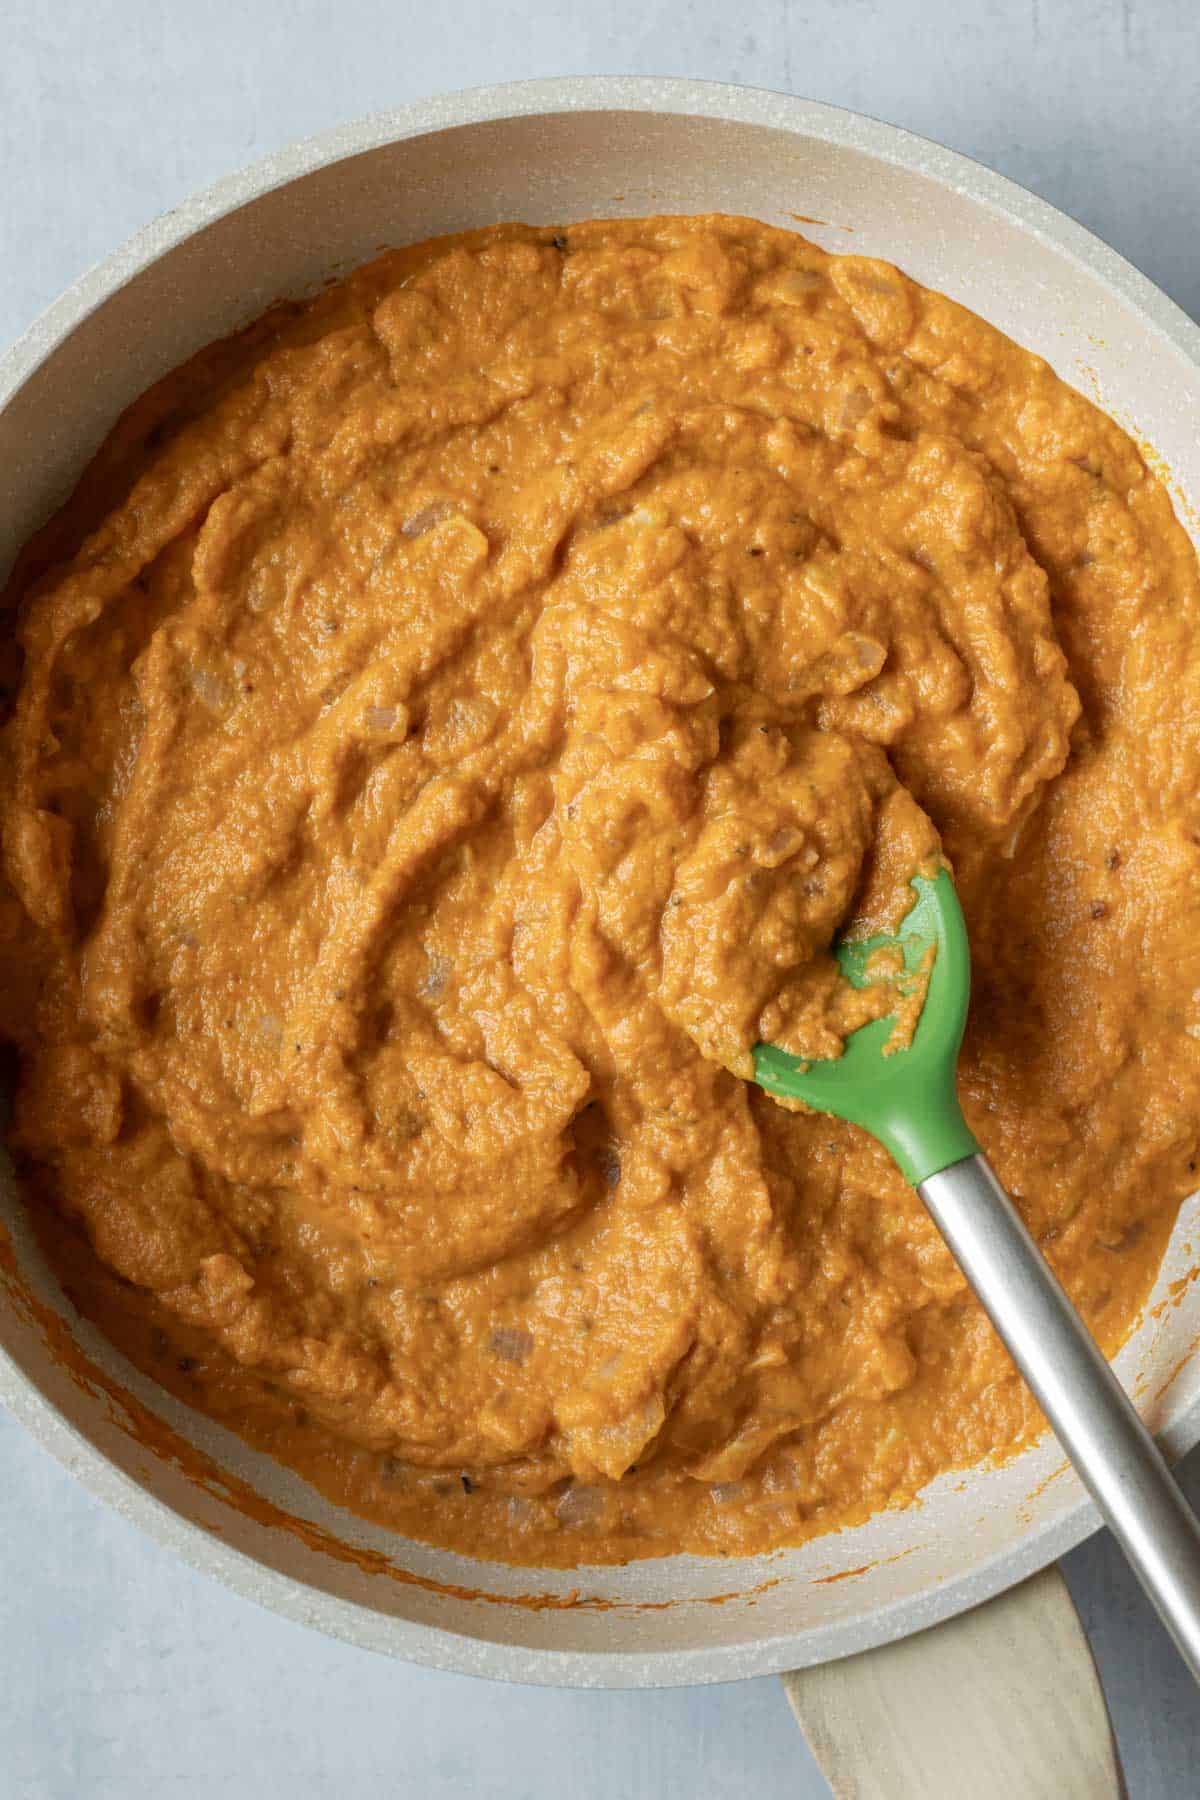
{"x":558,"y":151}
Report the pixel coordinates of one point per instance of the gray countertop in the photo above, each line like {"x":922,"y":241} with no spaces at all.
{"x":122,"y":1673}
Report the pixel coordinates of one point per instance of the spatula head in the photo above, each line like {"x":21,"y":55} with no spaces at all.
{"x":905,"y":1097}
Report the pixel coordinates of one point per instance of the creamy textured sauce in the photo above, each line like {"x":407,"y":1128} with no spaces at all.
{"x":455,"y":718}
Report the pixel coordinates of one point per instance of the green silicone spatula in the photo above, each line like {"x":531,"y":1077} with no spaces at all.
{"x":907,"y":1099}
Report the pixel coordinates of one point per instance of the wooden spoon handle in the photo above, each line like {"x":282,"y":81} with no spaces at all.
{"x":998,"y":1702}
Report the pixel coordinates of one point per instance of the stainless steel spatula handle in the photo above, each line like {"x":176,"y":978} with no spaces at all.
{"x":1095,"y":1423}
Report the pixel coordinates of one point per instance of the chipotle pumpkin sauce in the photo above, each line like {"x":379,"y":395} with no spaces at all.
{"x":456,"y":717}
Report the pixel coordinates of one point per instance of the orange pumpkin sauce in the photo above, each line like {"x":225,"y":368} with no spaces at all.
{"x":456,"y":716}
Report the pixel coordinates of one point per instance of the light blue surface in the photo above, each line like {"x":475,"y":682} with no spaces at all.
{"x":122,"y":1674}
